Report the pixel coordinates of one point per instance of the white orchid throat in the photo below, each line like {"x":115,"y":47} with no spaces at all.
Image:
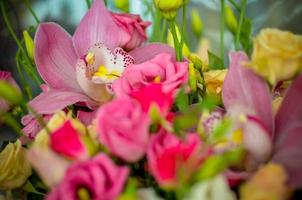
{"x":100,"y":67}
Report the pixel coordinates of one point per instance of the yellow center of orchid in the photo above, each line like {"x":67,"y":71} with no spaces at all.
{"x":89,"y":58}
{"x":237,"y":136}
{"x":103,"y":72}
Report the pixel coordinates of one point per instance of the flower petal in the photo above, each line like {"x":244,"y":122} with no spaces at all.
{"x":148,"y":51}
{"x":50,"y":166}
{"x":55,"y":57}
{"x":288,"y":135}
{"x":98,"y":26}
{"x":56,"y":100}
{"x":242,"y":86}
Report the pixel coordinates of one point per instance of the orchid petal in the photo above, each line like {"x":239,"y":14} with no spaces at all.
{"x":98,"y":26}
{"x":55,"y":57}
{"x":86,"y":117}
{"x":56,"y":100}
{"x":149,"y":51}
{"x":99,"y":92}
{"x":288,"y":135}
{"x":242,"y":86}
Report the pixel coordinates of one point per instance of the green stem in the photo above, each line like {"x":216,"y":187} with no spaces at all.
{"x":31,"y":11}
{"x":183,"y":30}
{"x":242,"y":14}
{"x":222,"y":24}
{"x":22,"y":78}
{"x":177,"y":47}
{"x":10,"y":29}
{"x":19,"y":44}
{"x":8,"y":119}
{"x":164,"y":30}
{"x":235,"y":5}
{"x":88,"y":3}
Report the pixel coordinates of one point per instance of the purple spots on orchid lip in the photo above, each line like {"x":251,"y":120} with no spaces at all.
{"x":210,"y":121}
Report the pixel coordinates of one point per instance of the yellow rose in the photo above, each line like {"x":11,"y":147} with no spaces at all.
{"x":14,"y":166}
{"x":214,"y":81}
{"x":277,"y":55}
{"x":269,"y":182}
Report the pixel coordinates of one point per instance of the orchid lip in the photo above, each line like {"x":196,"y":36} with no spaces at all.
{"x":97,"y":70}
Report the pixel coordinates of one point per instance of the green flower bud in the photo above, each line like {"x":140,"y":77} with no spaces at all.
{"x":196,"y":22}
{"x":29,"y":43}
{"x":122,"y":5}
{"x":168,"y":7}
{"x":192,"y":77}
{"x":230,"y":20}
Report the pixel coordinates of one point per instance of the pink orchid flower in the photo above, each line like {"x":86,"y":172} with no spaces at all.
{"x":81,"y":68}
{"x":242,"y":87}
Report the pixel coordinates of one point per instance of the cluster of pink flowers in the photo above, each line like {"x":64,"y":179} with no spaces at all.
{"x":123,"y":93}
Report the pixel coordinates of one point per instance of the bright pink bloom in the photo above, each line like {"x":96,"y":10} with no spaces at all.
{"x":163,"y":68}
{"x":6,"y":76}
{"x":67,"y":141}
{"x":245,"y":89}
{"x":170,"y":159}
{"x":135,"y":27}
{"x":69,"y":65}
{"x":123,"y":128}
{"x":153,"y":95}
{"x":99,"y":176}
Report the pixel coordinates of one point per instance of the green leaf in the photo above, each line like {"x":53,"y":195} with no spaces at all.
{"x":28,"y":187}
{"x":245,"y":35}
{"x":182,"y":101}
{"x":215,"y":62}
{"x":10,"y":93}
{"x":221,"y":130}
{"x":218,"y":163}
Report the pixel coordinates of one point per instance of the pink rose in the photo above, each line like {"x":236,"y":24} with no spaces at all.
{"x":98,"y":178}
{"x":153,"y":95}
{"x":172,"y":160}
{"x":6,"y":76}
{"x":123,"y":128}
{"x":67,"y":141}
{"x":135,"y":27}
{"x":161,"y":69}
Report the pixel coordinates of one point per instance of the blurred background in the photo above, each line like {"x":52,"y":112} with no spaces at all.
{"x":282,"y":14}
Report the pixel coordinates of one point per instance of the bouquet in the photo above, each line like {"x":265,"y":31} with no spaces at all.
{"x":129,"y":116}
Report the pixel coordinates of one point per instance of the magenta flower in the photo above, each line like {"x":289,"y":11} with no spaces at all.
{"x":123,"y":127}
{"x":6,"y":76}
{"x":153,"y":95}
{"x":264,"y":133}
{"x":161,"y":69}
{"x":66,"y":140}
{"x":81,"y":68}
{"x":98,"y":178}
{"x":171,"y":160}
